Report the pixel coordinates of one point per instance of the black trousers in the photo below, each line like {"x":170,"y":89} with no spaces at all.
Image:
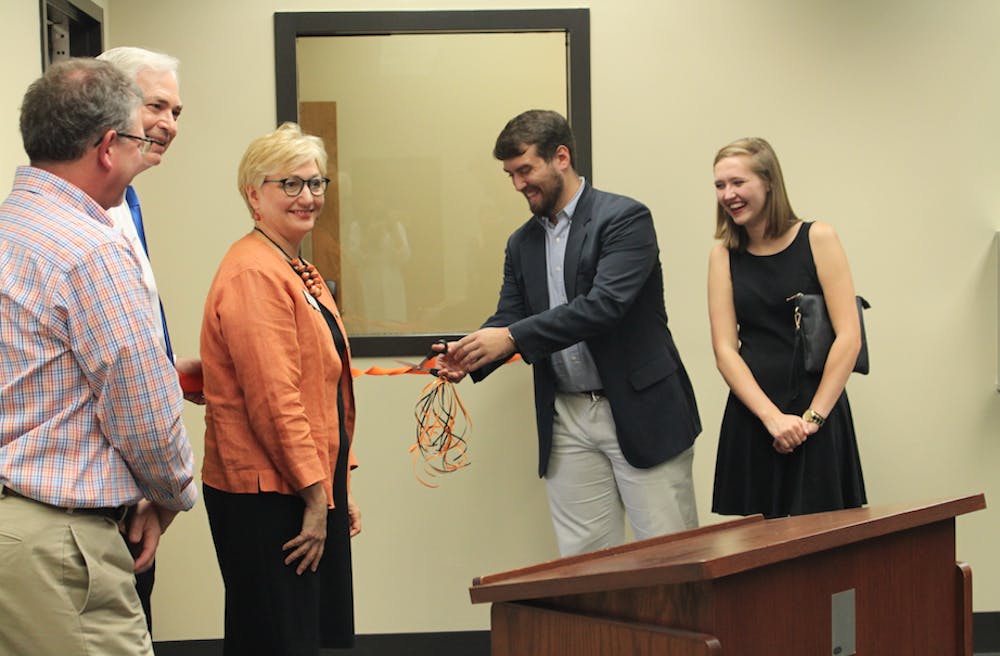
{"x":144,"y":585}
{"x":271,"y":610}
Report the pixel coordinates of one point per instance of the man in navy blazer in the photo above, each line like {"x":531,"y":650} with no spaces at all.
{"x":582,"y":301}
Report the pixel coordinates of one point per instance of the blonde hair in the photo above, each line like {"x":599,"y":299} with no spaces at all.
{"x":283,"y":150}
{"x":778,"y":213}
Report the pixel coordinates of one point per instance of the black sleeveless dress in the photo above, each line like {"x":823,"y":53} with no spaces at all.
{"x":337,"y":586}
{"x":751,"y":477}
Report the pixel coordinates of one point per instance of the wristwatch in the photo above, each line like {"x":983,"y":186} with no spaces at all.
{"x":814,"y":417}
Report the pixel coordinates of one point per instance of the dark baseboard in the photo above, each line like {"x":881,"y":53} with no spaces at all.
{"x":450,"y":643}
{"x":985,"y":627}
{"x":986,"y":632}
{"x":188,"y":648}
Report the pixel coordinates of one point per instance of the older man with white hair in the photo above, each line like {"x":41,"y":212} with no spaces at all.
{"x":156,"y":75}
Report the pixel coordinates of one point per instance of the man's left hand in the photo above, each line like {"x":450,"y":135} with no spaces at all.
{"x":143,"y":530}
{"x":482,"y":347}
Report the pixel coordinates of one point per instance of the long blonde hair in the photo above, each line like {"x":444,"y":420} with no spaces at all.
{"x":778,"y":213}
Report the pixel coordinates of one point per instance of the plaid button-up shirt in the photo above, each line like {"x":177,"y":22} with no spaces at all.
{"x":90,"y":406}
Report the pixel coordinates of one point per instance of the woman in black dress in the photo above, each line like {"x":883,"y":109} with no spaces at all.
{"x":279,"y":422}
{"x":787,"y":444}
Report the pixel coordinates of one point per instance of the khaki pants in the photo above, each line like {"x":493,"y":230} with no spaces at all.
{"x":66,"y":585}
{"x":592,"y":489}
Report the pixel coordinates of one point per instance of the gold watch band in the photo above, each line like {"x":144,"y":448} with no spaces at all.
{"x":814,"y":417}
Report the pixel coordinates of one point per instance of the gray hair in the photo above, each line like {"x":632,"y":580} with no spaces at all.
{"x":132,"y":61}
{"x":67,"y":110}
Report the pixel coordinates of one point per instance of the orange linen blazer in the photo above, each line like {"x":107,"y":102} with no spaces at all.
{"x":271,"y":374}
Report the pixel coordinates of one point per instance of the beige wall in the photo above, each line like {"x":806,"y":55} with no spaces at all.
{"x":884,"y":116}
{"x":20,"y":63}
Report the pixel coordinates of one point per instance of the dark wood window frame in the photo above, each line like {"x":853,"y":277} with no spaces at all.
{"x":288,"y":26}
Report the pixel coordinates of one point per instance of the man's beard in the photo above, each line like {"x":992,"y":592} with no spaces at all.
{"x":546,"y":205}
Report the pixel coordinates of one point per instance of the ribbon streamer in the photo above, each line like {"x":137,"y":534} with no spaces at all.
{"x":442,"y":422}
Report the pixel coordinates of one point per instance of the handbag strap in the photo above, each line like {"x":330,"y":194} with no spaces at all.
{"x":798,"y":351}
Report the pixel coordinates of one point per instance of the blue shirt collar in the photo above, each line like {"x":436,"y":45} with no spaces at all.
{"x":568,"y":211}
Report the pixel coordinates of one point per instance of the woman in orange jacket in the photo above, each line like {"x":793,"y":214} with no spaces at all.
{"x":279,"y":417}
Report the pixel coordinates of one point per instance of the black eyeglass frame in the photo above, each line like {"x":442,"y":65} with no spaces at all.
{"x":292,"y":181}
{"x":146,"y":142}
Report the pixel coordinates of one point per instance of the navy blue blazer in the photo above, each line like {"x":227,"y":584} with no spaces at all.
{"x":614,"y":284}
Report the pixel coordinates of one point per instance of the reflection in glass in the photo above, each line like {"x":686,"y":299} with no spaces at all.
{"x":415,"y":235}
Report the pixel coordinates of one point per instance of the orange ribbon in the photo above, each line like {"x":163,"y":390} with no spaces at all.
{"x":422,"y":368}
{"x":442,"y":422}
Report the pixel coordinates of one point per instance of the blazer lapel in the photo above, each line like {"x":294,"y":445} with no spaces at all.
{"x":574,"y":244}
{"x":533,"y":266}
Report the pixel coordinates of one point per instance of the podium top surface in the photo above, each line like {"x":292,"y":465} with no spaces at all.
{"x":713,"y":551}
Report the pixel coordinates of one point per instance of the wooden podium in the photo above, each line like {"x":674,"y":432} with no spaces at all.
{"x":876,"y":581}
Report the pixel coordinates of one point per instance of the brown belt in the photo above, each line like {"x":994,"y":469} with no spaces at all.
{"x":114,"y":514}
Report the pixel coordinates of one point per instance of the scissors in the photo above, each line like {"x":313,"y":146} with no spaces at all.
{"x":430,"y":357}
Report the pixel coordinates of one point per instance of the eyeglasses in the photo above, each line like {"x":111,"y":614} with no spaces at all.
{"x":292,"y":186}
{"x":145,"y":143}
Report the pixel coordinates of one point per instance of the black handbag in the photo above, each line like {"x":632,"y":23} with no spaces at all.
{"x":814,"y":332}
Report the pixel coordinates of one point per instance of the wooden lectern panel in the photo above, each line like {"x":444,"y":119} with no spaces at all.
{"x":963,"y":574}
{"x":715,"y":551}
{"x":526,"y":631}
{"x":903,"y":584}
{"x":883,"y":579}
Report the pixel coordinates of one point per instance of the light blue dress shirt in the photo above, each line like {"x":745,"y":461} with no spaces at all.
{"x":574,"y":366}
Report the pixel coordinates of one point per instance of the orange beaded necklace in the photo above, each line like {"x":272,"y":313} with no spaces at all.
{"x":307,"y":271}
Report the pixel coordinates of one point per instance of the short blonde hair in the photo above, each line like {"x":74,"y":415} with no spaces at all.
{"x":778,"y":212}
{"x":278,"y":152}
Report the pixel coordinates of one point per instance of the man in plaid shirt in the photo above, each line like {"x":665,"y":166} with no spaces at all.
{"x":90,"y":408}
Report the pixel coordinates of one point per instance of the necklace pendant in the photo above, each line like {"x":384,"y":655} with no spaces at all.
{"x":309,"y":274}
